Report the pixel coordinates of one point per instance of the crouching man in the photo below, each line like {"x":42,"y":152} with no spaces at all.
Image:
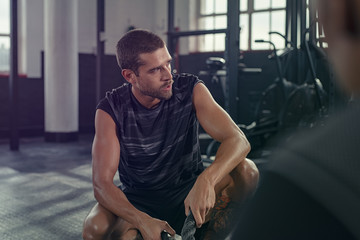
{"x":147,"y":130}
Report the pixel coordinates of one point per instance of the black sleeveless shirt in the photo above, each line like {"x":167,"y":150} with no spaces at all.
{"x":159,"y":147}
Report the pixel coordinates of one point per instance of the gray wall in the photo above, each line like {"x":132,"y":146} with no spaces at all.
{"x":119,"y":16}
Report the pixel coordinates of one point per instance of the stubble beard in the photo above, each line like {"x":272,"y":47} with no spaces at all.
{"x":156,"y":93}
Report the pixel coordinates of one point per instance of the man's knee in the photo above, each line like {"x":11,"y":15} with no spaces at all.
{"x":247,"y":170}
{"x":95,"y":229}
{"x":246,"y":177}
{"x":251,"y":170}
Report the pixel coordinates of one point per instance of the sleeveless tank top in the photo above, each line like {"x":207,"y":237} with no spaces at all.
{"x":159,"y":147}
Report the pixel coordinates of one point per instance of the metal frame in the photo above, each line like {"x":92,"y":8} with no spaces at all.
{"x":232,"y":59}
{"x":231,"y":54}
{"x":14,"y":79}
{"x":100,"y":46}
{"x":302,"y":16}
{"x":312,"y":17}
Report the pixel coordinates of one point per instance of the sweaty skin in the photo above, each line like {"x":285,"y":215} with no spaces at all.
{"x":233,"y":149}
{"x":150,"y":86}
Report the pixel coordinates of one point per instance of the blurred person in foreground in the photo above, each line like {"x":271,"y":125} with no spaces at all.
{"x":311,"y":189}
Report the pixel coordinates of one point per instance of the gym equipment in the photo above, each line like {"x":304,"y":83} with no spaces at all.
{"x":272,"y":98}
{"x":187,"y":232}
{"x":308,"y":102}
{"x":215,"y":79}
{"x":286,"y":105}
{"x":189,"y":228}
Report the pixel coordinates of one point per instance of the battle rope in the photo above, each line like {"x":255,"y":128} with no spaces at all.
{"x":189,"y":228}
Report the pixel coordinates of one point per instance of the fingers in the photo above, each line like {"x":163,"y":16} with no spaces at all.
{"x":198,"y":218}
{"x":187,"y":209}
{"x":203,"y":214}
{"x":169,"y":229}
{"x":199,"y":213}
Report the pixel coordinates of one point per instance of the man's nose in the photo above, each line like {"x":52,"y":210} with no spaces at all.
{"x":167,"y":73}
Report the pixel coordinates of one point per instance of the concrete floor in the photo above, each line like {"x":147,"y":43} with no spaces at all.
{"x":45,"y":189}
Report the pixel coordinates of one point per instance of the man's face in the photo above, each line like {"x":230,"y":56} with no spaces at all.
{"x":154,"y":78}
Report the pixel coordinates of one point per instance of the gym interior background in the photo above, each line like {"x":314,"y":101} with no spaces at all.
{"x":264,"y":61}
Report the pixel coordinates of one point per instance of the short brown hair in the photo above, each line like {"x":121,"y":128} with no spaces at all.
{"x":132,"y":44}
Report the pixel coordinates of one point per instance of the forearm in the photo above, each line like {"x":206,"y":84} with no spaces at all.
{"x":231,"y":152}
{"x":113,"y":199}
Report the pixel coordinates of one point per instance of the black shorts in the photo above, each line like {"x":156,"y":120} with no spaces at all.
{"x":166,"y":205}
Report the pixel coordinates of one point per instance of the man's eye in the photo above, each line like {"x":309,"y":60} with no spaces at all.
{"x":154,"y":70}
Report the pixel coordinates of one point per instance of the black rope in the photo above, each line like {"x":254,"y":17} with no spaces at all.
{"x":187,"y":232}
{"x":189,"y":228}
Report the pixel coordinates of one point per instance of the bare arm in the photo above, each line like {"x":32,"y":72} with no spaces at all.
{"x":233,"y":149}
{"x":106,"y":155}
{"x":218,"y":124}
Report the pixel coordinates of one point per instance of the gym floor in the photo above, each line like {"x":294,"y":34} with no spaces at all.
{"x":46,"y":189}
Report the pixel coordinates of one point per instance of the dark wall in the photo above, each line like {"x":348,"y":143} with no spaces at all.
{"x":31,"y":97}
{"x":87,"y":101}
{"x":31,"y":105}
{"x":31,"y":90}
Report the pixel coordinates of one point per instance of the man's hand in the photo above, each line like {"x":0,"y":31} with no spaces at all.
{"x":151,"y":228}
{"x":201,"y":199}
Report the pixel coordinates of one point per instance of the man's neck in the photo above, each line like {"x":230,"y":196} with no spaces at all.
{"x":146,"y":101}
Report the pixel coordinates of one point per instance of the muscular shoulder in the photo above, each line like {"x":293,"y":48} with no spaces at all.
{"x":113,"y":101}
{"x":119,"y":94}
{"x":184,"y":84}
{"x":185,"y":80}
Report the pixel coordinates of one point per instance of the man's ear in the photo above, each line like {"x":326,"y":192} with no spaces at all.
{"x":129,"y":75}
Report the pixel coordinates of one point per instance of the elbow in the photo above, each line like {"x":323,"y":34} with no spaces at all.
{"x":245,"y":144}
{"x":98,"y":190}
{"x":97,"y":194}
{"x":248,"y":145}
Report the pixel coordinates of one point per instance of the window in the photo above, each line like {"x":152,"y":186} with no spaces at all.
{"x":4,"y":36}
{"x":257,"y":18}
{"x":212,"y":15}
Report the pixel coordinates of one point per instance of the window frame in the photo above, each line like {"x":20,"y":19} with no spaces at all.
{"x":200,"y":16}
{"x":249,"y":11}
{"x":5,"y":72}
{"x":8,"y":36}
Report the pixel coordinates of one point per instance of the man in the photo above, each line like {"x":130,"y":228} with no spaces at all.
{"x":147,"y":130}
{"x":312,"y":188}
